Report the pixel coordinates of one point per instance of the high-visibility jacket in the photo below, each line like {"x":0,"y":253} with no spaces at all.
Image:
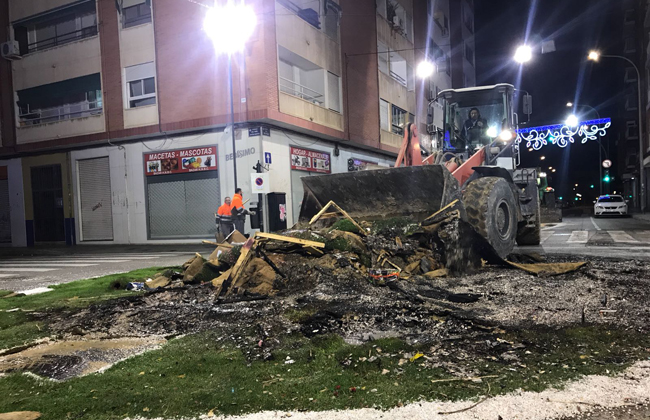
{"x":237,"y":203}
{"x":224,"y":210}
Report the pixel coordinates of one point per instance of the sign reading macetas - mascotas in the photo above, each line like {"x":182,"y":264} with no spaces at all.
{"x":166,"y":162}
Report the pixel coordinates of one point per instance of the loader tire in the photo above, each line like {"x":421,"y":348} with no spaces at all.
{"x":531,"y":235}
{"x":492,"y":211}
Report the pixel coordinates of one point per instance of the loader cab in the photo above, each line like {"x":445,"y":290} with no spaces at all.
{"x":465,"y":132}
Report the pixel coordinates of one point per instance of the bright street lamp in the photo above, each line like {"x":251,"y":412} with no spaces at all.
{"x":572,"y":121}
{"x":542,"y":158}
{"x":569,"y":104}
{"x":229,"y":27}
{"x":523,"y":54}
{"x":595,"y":56}
{"x":425,"y":69}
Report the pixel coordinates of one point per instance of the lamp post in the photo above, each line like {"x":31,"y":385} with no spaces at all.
{"x":229,"y":27}
{"x":601,"y":149}
{"x":595,"y":56}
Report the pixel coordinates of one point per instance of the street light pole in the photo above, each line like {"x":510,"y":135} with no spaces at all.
{"x":232,"y":120}
{"x":594,"y":56}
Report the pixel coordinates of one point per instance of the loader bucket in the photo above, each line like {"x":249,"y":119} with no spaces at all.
{"x":415,"y":192}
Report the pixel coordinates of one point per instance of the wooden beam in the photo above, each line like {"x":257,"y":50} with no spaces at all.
{"x":441,"y":210}
{"x":224,"y":244}
{"x":320,"y":213}
{"x":283,"y":238}
{"x":237,"y":270}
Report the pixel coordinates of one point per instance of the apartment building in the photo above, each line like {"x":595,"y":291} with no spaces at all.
{"x":633,"y":45}
{"x":115,"y":115}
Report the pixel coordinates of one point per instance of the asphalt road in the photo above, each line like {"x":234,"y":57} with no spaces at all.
{"x":29,"y":269}
{"x":611,"y":237}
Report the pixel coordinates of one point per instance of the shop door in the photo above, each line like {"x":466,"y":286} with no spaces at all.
{"x":47,"y":194}
{"x":5,"y":221}
{"x":183,"y":205}
{"x":95,"y":198}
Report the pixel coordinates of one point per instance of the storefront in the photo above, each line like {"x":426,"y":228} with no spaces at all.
{"x":305,"y":162}
{"x":183,"y":192}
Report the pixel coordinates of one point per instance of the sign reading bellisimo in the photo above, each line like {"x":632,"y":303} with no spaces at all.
{"x":166,"y":162}
{"x":310,"y":160}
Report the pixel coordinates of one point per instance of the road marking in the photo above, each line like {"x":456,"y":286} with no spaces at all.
{"x":7,"y":275}
{"x":579,"y":237}
{"x":644,"y":235}
{"x":49,"y":262}
{"x":620,"y":236}
{"x":544,"y":236}
{"x":594,"y":223}
{"x":25,"y":269}
{"x":18,"y":264}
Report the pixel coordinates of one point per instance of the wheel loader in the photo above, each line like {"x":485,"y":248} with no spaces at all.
{"x":475,"y":159}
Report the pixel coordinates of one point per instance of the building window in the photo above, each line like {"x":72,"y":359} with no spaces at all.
{"x":630,"y":45}
{"x":311,"y":12}
{"x":137,"y":14}
{"x":398,"y":68}
{"x":630,"y":75}
{"x":73,"y":98}
{"x":399,"y":118}
{"x":631,"y":103}
{"x":66,"y":25}
{"x":384,"y":118}
{"x":442,"y":22}
{"x":382,"y":55}
{"x":333,"y":92}
{"x":631,"y":131}
{"x":630,"y":16}
{"x":141,"y":85}
{"x":469,"y":54}
{"x":397,"y":16}
{"x":468,"y":18}
{"x":304,"y":79}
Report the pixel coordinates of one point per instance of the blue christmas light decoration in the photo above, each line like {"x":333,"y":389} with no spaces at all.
{"x":562,"y":135}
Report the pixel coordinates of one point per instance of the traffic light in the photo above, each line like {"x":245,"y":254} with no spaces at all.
{"x":592,"y":186}
{"x":606,"y":178}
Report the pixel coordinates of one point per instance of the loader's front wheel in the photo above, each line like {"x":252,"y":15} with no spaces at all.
{"x":492,"y":211}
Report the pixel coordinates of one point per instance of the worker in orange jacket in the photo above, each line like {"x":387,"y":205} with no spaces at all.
{"x":224,"y":217}
{"x":238,"y":211}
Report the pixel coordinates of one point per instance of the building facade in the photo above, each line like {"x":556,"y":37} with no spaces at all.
{"x":115,"y":115}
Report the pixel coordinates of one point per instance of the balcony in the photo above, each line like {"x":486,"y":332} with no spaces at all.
{"x":57,"y":27}
{"x":60,"y":113}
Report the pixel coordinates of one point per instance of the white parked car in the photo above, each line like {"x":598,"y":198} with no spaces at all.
{"x":614,"y":205}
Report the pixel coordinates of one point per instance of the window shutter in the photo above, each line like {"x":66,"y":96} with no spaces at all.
{"x":139,"y":72}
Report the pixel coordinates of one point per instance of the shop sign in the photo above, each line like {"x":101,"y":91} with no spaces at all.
{"x":310,"y":160}
{"x":359,"y":164}
{"x":181,"y":161}
{"x":254,"y":132}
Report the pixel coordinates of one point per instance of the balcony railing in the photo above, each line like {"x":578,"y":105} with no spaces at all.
{"x":60,"y":113}
{"x":62,"y":39}
{"x":303,"y":92}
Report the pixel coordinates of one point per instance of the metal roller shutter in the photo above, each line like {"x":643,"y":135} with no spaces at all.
{"x":5,"y":221}
{"x":183,"y":206}
{"x":95,"y":197}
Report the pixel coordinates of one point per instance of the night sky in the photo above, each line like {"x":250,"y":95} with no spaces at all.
{"x":553,"y":79}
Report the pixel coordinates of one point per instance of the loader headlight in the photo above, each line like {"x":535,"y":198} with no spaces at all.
{"x":506,"y":135}
{"x":492,"y":132}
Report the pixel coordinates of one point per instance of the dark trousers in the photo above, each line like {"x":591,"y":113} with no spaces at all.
{"x":226,"y":228}
{"x":239,"y":223}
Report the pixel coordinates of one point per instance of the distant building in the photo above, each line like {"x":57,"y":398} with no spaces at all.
{"x":113,"y":114}
{"x":633,"y":45}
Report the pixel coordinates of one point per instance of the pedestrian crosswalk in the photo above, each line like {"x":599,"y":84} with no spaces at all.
{"x":20,"y":266}
{"x":596,"y":237}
